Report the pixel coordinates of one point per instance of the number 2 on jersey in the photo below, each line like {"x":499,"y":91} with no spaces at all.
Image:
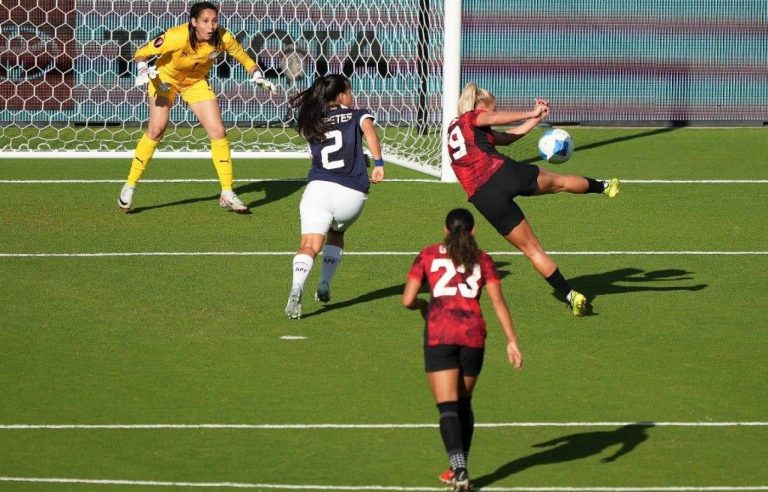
{"x":330,"y":149}
{"x":469,"y":288}
{"x":457,"y":143}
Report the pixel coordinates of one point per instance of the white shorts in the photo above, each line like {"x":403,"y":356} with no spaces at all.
{"x":326,"y":205}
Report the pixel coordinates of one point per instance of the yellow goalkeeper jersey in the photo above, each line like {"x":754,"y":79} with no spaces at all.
{"x":182,"y":66}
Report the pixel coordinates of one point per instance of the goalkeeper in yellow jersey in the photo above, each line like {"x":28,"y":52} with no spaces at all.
{"x":185,"y":55}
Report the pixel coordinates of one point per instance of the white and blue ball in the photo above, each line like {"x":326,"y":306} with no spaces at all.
{"x":556,"y":146}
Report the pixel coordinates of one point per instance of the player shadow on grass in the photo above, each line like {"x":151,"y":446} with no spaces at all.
{"x":499,"y":267}
{"x":273,"y":191}
{"x":626,"y":280}
{"x":395,"y":290}
{"x":573,"y":447}
{"x":592,"y":145}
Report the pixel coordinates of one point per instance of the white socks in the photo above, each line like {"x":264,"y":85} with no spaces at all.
{"x":331,"y":260}
{"x":302,"y":265}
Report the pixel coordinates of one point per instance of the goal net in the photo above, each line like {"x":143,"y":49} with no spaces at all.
{"x":67,"y":79}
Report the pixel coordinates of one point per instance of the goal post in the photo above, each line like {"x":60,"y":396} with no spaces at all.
{"x":66,"y":75}
{"x":451,"y":81}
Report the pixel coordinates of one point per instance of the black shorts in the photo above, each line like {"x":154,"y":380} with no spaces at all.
{"x":441,"y":357}
{"x":495,"y":200}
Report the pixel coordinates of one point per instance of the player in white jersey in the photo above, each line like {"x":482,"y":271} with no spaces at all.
{"x":337,"y":182}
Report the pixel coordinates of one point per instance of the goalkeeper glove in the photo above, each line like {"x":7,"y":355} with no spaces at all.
{"x":260,"y":81}
{"x":145,"y":72}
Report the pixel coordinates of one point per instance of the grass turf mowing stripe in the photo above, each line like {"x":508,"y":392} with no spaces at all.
{"x":273,"y":486}
{"x":393,"y":180}
{"x":376,"y":253}
{"x":370,"y":426}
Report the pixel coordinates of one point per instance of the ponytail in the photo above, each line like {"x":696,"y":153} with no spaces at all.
{"x":312,"y":105}
{"x":471,"y":96}
{"x":459,"y":241}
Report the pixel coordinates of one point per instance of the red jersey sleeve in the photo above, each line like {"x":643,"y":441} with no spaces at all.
{"x":488,"y":269}
{"x":417,"y":269}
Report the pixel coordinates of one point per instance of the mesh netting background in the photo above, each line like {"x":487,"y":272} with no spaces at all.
{"x":633,"y":60}
{"x":65,"y":65}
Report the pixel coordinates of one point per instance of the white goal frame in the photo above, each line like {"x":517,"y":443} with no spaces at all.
{"x":444,"y":111}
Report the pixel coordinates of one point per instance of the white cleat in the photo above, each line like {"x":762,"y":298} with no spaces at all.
{"x":293,"y":308}
{"x":228,"y":199}
{"x":323,"y":293}
{"x":125,"y":200}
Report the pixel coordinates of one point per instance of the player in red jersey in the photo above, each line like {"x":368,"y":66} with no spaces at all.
{"x":492,"y":180}
{"x":454,"y":339}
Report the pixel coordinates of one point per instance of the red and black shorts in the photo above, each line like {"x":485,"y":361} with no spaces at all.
{"x":468,"y":360}
{"x":495,"y":200}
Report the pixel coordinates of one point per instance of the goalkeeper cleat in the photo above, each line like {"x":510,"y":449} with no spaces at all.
{"x":461,"y":480}
{"x":228,"y":199}
{"x":447,"y":477}
{"x":323,"y":292}
{"x":578,"y":304}
{"x":612,"y":188}
{"x":125,"y":200}
{"x":293,"y":308}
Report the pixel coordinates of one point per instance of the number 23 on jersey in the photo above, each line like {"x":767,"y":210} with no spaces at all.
{"x":469,"y":288}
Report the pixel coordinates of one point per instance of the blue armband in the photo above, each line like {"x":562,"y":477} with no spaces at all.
{"x":379,"y":162}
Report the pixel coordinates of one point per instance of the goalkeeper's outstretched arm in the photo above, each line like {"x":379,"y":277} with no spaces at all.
{"x":236,"y":51}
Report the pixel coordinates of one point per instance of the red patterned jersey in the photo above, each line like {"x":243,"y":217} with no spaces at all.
{"x":472,"y":148}
{"x":455,"y":317}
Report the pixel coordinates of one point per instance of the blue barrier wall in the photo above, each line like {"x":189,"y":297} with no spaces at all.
{"x":596,"y":60}
{"x":630,"y":60}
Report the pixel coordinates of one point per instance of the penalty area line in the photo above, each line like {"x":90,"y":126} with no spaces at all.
{"x":275,"y":486}
{"x":192,"y":180}
{"x":391,"y":180}
{"x":368,"y":426}
{"x":373,"y":253}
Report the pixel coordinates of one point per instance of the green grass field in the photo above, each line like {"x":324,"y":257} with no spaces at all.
{"x":677,"y":345}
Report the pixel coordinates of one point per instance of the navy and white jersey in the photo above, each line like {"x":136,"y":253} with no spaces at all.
{"x":339,"y":158}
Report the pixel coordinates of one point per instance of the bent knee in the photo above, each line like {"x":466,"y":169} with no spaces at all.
{"x":311,"y":244}
{"x":550,"y":183}
{"x":155,"y":134}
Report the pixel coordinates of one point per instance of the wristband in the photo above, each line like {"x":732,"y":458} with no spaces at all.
{"x":379,"y":162}
{"x":141,"y":65}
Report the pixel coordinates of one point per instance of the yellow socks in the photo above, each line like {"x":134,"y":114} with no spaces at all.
{"x":141,"y":158}
{"x":219,"y":152}
{"x":222,"y":160}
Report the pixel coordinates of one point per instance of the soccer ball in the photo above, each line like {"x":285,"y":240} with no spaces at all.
{"x":556,"y":146}
{"x":292,"y":65}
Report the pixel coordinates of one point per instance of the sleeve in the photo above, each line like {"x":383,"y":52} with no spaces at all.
{"x":236,"y":51}
{"x":417,"y":269}
{"x":488,"y":270}
{"x":165,"y":43}
{"x":365,"y":114}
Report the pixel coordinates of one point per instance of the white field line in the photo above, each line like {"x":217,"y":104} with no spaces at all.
{"x":275,"y":486}
{"x":239,"y":485}
{"x":412,"y":180}
{"x":366,"y":426}
{"x":375,"y":253}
